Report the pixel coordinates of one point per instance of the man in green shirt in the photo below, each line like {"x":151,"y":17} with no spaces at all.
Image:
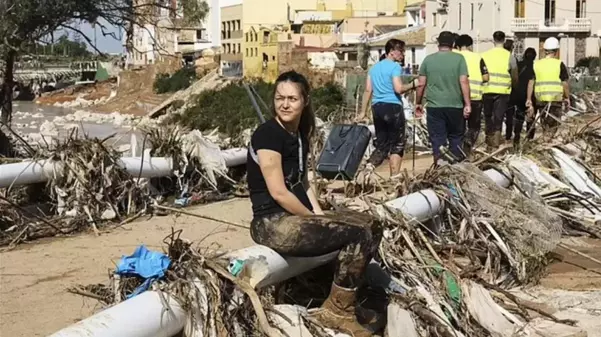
{"x":443,"y":77}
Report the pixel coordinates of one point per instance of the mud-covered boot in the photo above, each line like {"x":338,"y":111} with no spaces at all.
{"x":338,"y":312}
{"x":489,"y":142}
{"x":497,"y":136}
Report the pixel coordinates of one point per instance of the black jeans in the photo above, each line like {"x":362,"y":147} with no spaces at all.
{"x":474,"y":124}
{"x":520,"y":118}
{"x":494,"y":107}
{"x":510,"y":113}
{"x":446,"y":126}
{"x":389,"y":121}
{"x":550,"y":120}
{"x":356,"y":235}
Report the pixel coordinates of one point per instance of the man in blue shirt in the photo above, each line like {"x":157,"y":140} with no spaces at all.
{"x":384,"y":84}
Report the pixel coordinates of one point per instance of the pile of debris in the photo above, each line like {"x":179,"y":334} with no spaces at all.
{"x":89,"y":183}
{"x":451,"y":272}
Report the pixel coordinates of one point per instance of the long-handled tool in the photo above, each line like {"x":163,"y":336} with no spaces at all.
{"x":414,"y":130}
{"x":253,"y":100}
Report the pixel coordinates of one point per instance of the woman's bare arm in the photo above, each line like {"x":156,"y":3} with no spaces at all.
{"x":270,"y":163}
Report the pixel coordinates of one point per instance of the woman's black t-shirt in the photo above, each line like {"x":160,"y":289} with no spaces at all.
{"x":272,"y":136}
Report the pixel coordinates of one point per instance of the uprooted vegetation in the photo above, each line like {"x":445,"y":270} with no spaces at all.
{"x":91,"y":185}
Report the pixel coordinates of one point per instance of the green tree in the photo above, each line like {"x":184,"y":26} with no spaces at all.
{"x":25,"y":23}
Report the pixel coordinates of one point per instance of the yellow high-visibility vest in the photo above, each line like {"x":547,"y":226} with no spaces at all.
{"x":547,"y":85}
{"x":497,"y":62}
{"x":473,"y":69}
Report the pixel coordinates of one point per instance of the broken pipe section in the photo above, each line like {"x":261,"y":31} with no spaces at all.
{"x":32,"y":172}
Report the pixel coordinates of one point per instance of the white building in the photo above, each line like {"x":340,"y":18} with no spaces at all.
{"x":166,"y":35}
{"x":194,"y":38}
{"x":576,"y":22}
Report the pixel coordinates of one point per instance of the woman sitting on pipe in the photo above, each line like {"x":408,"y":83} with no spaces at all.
{"x":286,"y":214}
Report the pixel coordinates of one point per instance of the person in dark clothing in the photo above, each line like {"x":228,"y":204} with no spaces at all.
{"x":286,"y":214}
{"x":456,"y":46}
{"x":508,"y":45}
{"x":519,"y":97}
{"x":510,"y":112}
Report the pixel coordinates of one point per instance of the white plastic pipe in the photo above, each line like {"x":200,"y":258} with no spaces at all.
{"x":31,"y":172}
{"x":418,"y":206}
{"x":141,"y":316}
{"x":268,"y":267}
{"x":424,"y":205}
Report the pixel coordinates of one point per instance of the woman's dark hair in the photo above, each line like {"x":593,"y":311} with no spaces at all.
{"x":394,"y":44}
{"x":530,"y":54}
{"x":383,"y":56}
{"x":307,"y":121}
{"x":508,"y":45}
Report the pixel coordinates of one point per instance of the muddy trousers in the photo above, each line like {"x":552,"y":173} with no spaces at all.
{"x":494,"y":107}
{"x":519,"y":120}
{"x":510,"y":120}
{"x":389,"y":122}
{"x":355,"y":235}
{"x":474,"y":124}
{"x":550,"y":116}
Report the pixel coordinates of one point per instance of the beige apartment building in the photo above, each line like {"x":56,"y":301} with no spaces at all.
{"x":529,"y":22}
{"x":231,"y":39}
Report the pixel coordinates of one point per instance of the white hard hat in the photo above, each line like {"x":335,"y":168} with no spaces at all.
{"x":551,"y":43}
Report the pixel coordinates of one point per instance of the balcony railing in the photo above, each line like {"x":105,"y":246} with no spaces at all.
{"x":575,"y":25}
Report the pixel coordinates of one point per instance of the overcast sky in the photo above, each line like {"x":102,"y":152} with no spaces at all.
{"x":106,"y":44}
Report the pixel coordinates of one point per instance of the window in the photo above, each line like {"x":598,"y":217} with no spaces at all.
{"x":471,"y":16}
{"x":519,"y":8}
{"x":460,"y":14}
{"x":580,"y":9}
{"x":201,"y":34}
{"x":238,"y":24}
{"x":246,"y":37}
{"x":246,"y":52}
{"x":265,"y":37}
{"x":434,"y":20}
{"x":239,"y":49}
{"x":256,"y":52}
{"x":549,"y":12}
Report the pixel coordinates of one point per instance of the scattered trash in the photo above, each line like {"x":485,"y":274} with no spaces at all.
{"x":143,"y":263}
